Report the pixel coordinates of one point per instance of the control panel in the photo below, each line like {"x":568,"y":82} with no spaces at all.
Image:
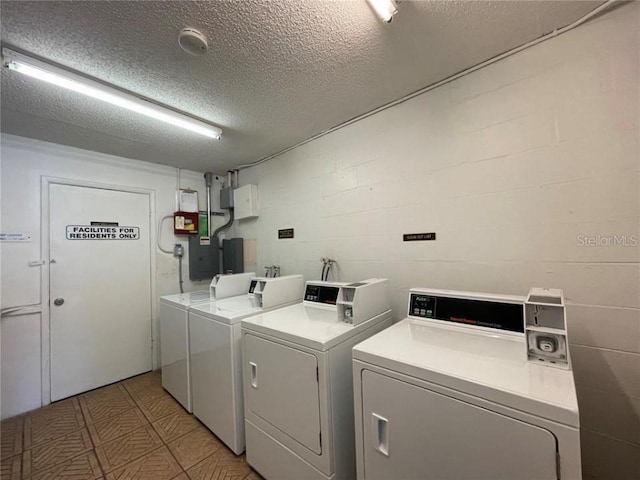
{"x":271,"y":292}
{"x":223,"y":286}
{"x":422,"y":306}
{"x":476,"y":312}
{"x":321,"y":294}
{"x":360,"y":301}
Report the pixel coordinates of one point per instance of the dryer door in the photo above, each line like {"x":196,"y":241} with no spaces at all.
{"x":411,"y":432}
{"x":281,"y":387}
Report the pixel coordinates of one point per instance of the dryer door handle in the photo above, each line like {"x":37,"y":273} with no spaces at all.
{"x":254,"y":374}
{"x":380,"y":431}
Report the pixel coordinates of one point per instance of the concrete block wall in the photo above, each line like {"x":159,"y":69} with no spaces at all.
{"x":513,"y":167}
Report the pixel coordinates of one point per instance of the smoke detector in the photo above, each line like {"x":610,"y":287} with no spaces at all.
{"x":192,"y":41}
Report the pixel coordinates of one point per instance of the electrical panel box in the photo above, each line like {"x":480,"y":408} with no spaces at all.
{"x":245,"y":201}
{"x":204,"y":259}
{"x":226,"y":198}
{"x":233,"y":255}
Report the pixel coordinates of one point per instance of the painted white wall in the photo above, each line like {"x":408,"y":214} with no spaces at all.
{"x":24,"y":163}
{"x":509,"y":166}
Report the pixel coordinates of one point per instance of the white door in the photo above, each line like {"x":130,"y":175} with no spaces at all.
{"x":100,"y":288}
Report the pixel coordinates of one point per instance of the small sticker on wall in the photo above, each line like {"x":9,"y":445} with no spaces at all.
{"x":14,"y":237}
{"x":93,"y":232}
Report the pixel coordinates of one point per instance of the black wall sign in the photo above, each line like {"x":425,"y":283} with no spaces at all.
{"x":285,"y":233}
{"x":105,"y":224}
{"x":417,"y":237}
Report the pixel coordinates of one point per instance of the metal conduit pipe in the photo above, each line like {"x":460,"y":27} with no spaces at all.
{"x":601,"y":8}
{"x":208,"y":180}
{"x":225,"y":226}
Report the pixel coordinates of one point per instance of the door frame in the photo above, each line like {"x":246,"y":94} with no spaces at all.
{"x":45,"y":255}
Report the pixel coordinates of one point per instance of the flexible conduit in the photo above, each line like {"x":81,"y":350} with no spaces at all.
{"x":428,"y":88}
{"x":159,"y":235}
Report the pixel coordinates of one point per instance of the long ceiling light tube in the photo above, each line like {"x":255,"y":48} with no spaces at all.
{"x":385,"y":9}
{"x":66,"y":79}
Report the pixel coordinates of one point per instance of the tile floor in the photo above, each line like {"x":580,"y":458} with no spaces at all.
{"x":129,"y":430}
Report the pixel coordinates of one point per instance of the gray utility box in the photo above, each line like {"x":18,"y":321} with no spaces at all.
{"x":233,"y":255}
{"x":204,"y":260}
{"x":226,"y":198}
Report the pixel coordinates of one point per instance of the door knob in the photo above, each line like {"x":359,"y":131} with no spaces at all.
{"x":58,"y":301}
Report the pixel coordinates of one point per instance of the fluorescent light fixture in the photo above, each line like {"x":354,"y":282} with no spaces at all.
{"x":78,"y":83}
{"x":385,"y":9}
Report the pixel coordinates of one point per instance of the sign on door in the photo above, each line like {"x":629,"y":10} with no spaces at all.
{"x":92,"y":232}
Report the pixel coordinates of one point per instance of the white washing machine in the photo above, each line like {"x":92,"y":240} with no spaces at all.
{"x":174,"y":331}
{"x":298,"y":389}
{"x":215,"y":353}
{"x":448,"y":393}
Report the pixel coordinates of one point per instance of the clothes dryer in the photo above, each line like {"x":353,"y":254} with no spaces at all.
{"x":449,"y":393}
{"x":297,"y":380}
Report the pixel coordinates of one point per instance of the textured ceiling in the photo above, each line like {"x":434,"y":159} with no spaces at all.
{"x":277,"y":72}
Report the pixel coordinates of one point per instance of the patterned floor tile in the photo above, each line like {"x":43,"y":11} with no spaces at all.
{"x":82,"y":467}
{"x":253,"y":476}
{"x":61,"y":408}
{"x":99,"y":405}
{"x":102,"y":395}
{"x":116,"y":426}
{"x":175,"y":425}
{"x":222,"y":465}
{"x":128,"y":448}
{"x":147,"y":393}
{"x":160,"y":408}
{"x":194,"y":447}
{"x":127,"y":445}
{"x":10,"y":468}
{"x":44,"y":457}
{"x":11,"y":431}
{"x":58,"y":426}
{"x":144,"y":380}
{"x":158,"y":465}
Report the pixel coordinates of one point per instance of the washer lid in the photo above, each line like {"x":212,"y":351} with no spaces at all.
{"x":187,"y":299}
{"x":233,"y":309}
{"x":312,"y":326}
{"x":229,"y":310}
{"x":488,"y":365}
